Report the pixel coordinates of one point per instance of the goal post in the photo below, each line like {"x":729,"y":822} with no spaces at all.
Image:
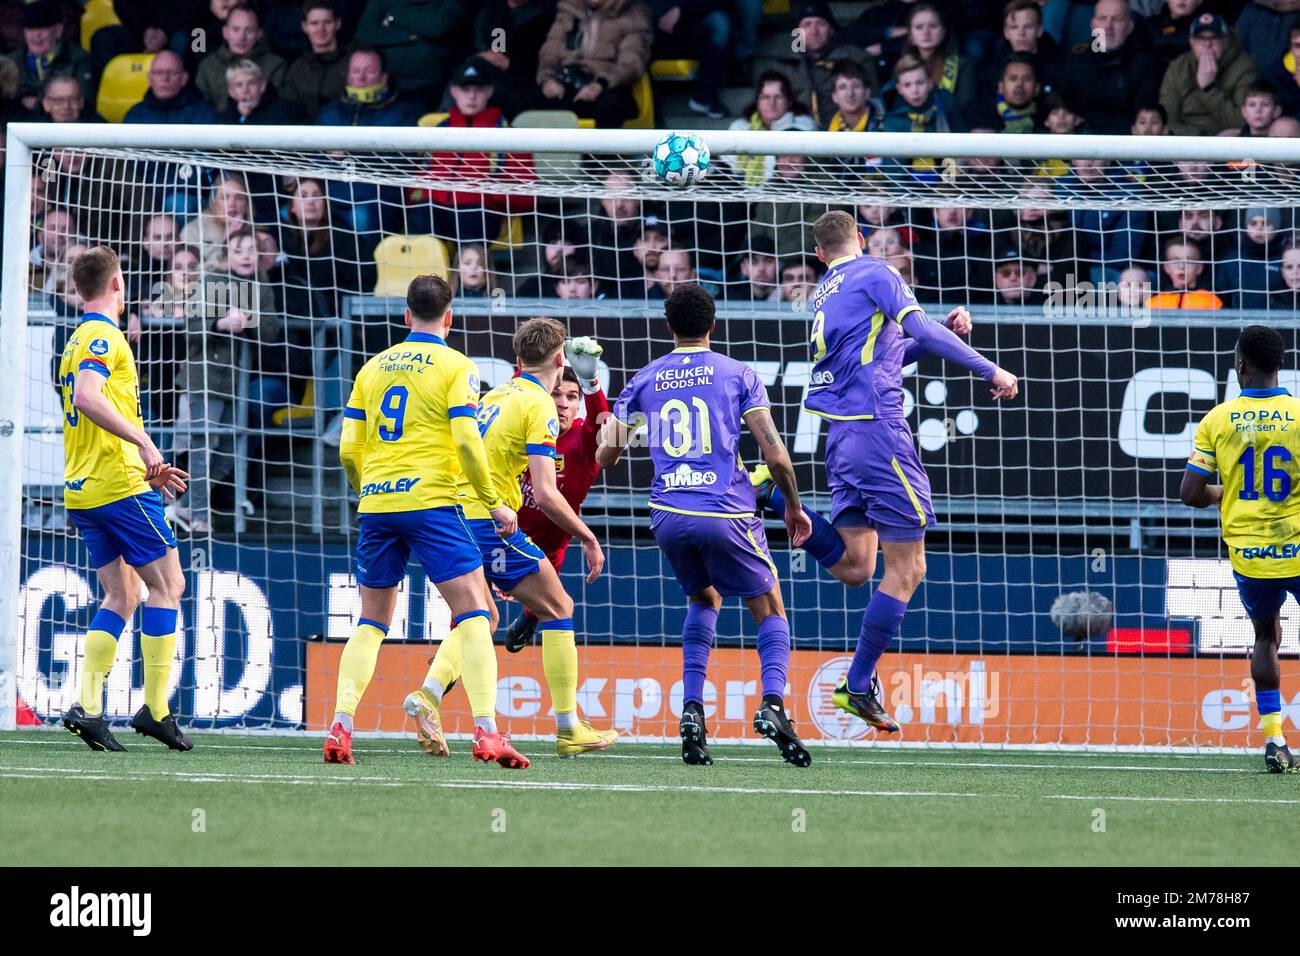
{"x":1063,"y":494}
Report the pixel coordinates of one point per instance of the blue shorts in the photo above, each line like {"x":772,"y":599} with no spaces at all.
{"x":876,"y":479}
{"x":506,"y":561}
{"x":439,"y":537}
{"x":133,"y":529}
{"x":729,"y":554}
{"x":1263,"y":597}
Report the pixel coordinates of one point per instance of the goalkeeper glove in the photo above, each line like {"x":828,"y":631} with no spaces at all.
{"x":583,"y":355}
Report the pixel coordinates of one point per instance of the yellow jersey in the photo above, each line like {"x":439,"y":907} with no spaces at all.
{"x":516,"y":419}
{"x":100,"y":468}
{"x":1253,"y":442}
{"x":406,"y":397}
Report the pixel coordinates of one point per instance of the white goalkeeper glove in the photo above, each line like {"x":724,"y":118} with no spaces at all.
{"x":583,"y":355}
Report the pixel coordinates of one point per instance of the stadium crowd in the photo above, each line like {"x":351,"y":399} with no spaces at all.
{"x":1139,"y":67}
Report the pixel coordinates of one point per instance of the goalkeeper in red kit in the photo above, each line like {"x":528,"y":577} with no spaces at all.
{"x":575,"y":464}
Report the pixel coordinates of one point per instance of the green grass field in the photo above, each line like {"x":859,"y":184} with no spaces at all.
{"x":270,"y":800}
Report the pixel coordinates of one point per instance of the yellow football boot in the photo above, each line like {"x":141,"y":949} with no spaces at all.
{"x":582,"y":739}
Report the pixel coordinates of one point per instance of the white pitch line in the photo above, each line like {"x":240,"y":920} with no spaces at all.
{"x":1170,"y":800}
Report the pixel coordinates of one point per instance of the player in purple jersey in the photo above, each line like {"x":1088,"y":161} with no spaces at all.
{"x":863,"y":315}
{"x":691,"y":403}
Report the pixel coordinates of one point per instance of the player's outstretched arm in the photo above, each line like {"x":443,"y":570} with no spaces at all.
{"x":1197,"y":492}
{"x":541,"y":469}
{"x":939,"y":340}
{"x":473,"y":462}
{"x":614,"y":438}
{"x":759,"y":422}
{"x":959,"y":321}
{"x":89,"y":399}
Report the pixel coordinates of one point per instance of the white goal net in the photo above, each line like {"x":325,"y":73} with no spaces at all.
{"x":1112,"y":274}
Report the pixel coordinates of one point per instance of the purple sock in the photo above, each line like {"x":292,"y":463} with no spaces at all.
{"x":697,"y":641}
{"x":880,"y":625}
{"x":824,"y":544}
{"x":774,"y":653}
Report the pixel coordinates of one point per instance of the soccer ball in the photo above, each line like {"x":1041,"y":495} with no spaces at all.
{"x":680,"y":159}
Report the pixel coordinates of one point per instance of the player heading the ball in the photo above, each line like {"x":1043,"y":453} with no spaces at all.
{"x":691,"y":404}
{"x":409,"y":435}
{"x":863,"y":315}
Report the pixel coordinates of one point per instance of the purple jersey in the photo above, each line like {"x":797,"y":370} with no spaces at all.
{"x":692,"y":402}
{"x":862,"y":308}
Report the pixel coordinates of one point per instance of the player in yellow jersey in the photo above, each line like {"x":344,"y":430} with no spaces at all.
{"x":409,"y":435}
{"x":112,"y":477}
{"x":1253,"y":442}
{"x":518,"y":422}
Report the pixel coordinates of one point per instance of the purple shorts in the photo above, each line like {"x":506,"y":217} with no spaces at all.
{"x":876,"y":479}
{"x":728,"y":553}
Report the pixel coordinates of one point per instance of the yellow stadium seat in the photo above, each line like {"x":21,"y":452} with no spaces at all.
{"x":304,"y":409}
{"x":98,"y":13}
{"x":401,"y":258}
{"x":431,"y":119}
{"x":773,"y":7}
{"x":124,"y":83}
{"x":586,"y":124}
{"x":512,"y":233}
{"x":645,"y":104}
{"x":674,"y":69}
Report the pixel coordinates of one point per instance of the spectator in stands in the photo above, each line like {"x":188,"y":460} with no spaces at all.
{"x":676,"y":267}
{"x":171,"y":100}
{"x":250,"y":101}
{"x":884,"y":242}
{"x":646,"y":252}
{"x":873,"y":217}
{"x":1061,"y":117}
{"x":1150,"y":121}
{"x":788,"y":224}
{"x":1105,"y":237}
{"x":1285,"y":126}
{"x":817,"y":57}
{"x":1253,"y":270}
{"x":243,"y":40}
{"x":1285,"y":74}
{"x":319,"y":75}
{"x":1133,"y":288}
{"x":421,"y":41}
{"x":151,"y":264}
{"x":508,"y":34}
{"x":45,"y":52}
{"x":63,"y":101}
{"x":149,"y":278}
{"x":1044,"y":237}
{"x":855,"y":112}
{"x":1206,"y":228}
{"x":698,"y":30}
{"x":229,"y":211}
{"x":470,"y":215}
{"x":368,"y":97}
{"x":616,"y":225}
{"x":169,"y":300}
{"x":1015,"y":281}
{"x":1182,"y":266}
{"x":919,"y":106}
{"x":1265,"y":29}
{"x":1171,"y":27}
{"x":594,"y":54}
{"x":1107,"y":79}
{"x":147,"y":26}
{"x":755,"y":278}
{"x":235,"y":307}
{"x":57,"y":230}
{"x":1287,"y":297}
{"x":322,"y":256}
{"x":774,"y":108}
{"x":1023,"y":36}
{"x":930,"y":41}
{"x":1204,"y":88}
{"x":472,"y":276}
{"x":943,"y":252}
{"x":799,"y":277}
{"x":1259,"y":110}
{"x":575,"y":281}
{"x":1015,"y":107}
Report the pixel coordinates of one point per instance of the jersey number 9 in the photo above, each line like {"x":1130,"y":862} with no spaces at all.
{"x":1277,"y":481}
{"x":393,"y":406}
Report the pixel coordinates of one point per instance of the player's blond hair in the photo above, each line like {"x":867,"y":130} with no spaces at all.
{"x":834,"y":230}
{"x":91,"y":271}
{"x":537,"y":339}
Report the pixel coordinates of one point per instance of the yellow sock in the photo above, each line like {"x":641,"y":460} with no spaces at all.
{"x":560,"y":664}
{"x":157,"y":652}
{"x":357,"y":665}
{"x":446,"y":664}
{"x":97,"y":661}
{"x":1271,"y":724}
{"x":479,"y":667}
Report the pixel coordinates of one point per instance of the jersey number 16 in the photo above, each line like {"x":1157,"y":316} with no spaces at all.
{"x":1277,"y":480}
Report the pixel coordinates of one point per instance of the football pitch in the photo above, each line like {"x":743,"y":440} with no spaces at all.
{"x":262,"y":800}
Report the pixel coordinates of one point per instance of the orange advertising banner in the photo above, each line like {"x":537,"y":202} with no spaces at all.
{"x":939,"y":698}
